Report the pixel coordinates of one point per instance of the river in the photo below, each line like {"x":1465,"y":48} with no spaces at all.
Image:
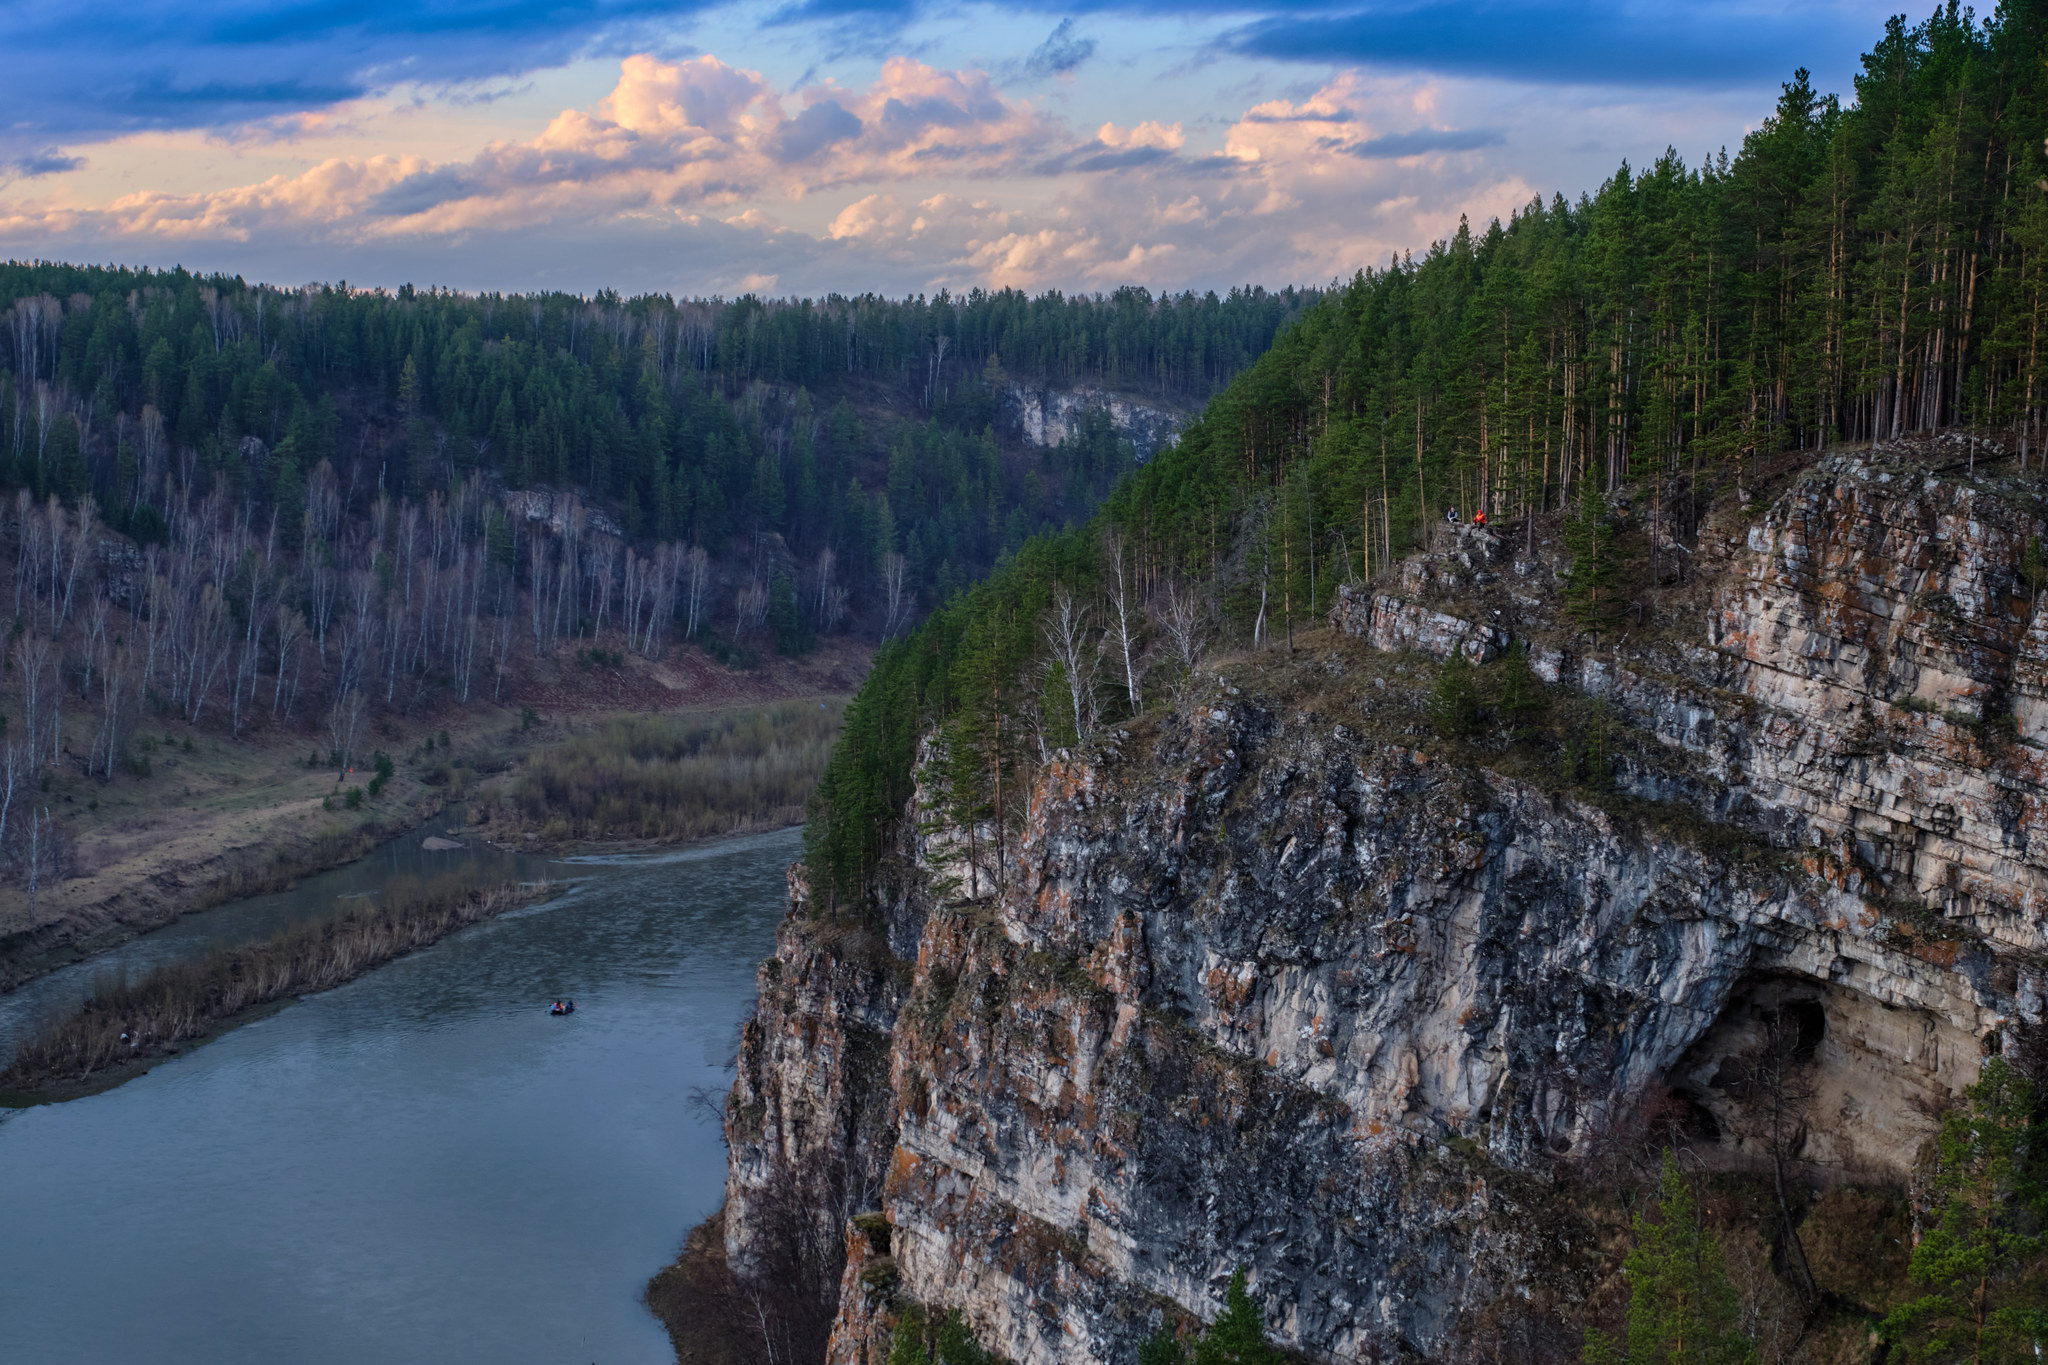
{"x":421,"y":1165}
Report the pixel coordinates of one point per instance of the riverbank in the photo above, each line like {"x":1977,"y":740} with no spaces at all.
{"x":129,"y":1026}
{"x":636,"y":783}
{"x":696,"y":1301}
{"x":198,"y":818}
{"x":421,"y":1165}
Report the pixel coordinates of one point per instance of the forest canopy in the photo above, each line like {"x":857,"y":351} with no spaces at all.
{"x":1856,"y":271}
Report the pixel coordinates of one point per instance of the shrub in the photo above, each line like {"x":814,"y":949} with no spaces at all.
{"x":1454,"y":703}
{"x":673,"y":778}
{"x":184,"y":1000}
{"x":385,"y":768}
{"x":353,"y":799}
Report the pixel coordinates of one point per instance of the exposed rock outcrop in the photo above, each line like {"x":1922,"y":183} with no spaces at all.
{"x":1281,"y":981}
{"x":1047,"y":416}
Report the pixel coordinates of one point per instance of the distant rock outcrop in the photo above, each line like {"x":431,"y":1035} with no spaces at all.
{"x":1047,"y":416}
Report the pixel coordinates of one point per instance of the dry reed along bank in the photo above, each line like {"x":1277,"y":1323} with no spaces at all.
{"x":128,"y":1022}
{"x":668,"y":779}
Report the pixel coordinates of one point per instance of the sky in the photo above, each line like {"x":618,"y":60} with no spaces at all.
{"x":800,"y":147}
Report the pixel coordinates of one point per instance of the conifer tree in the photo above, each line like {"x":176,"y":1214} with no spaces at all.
{"x":1454,"y":701}
{"x":1982,"y":1263}
{"x":1682,"y":1310}
{"x":1238,"y":1336}
{"x":1518,"y":699}
{"x":1590,"y":536}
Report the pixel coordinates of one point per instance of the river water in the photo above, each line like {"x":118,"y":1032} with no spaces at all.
{"x":421,"y":1165}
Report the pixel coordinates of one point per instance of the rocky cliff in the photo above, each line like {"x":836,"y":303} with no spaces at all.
{"x":1277,"y":977}
{"x":1048,"y":416}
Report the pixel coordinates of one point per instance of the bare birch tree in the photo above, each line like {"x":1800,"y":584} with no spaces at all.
{"x":1125,"y":619}
{"x":699,"y":570}
{"x":1070,"y":635}
{"x":895,"y":594}
{"x":1184,"y":625}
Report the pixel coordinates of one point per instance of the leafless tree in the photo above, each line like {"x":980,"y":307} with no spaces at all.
{"x":1125,"y":618}
{"x":53,"y":545}
{"x":12,"y":772}
{"x":212,"y":641}
{"x":1776,"y":1080}
{"x":502,"y":631}
{"x":537,"y":562}
{"x":1184,"y":626}
{"x":828,"y":599}
{"x":28,"y":549}
{"x":895,"y":594}
{"x":32,"y":665}
{"x":750,"y":608}
{"x":344,"y":716}
{"x":290,"y":629}
{"x":85,"y":540}
{"x":38,"y":844}
{"x":1070,"y":635}
{"x":113,"y":679}
{"x":604,"y":558}
{"x":699,"y":570}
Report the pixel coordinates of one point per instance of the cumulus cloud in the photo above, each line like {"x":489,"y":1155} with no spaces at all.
{"x":718,"y":163}
{"x":671,"y":136}
{"x":97,"y":68}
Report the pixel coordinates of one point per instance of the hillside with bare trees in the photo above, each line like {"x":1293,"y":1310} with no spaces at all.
{"x":290,"y":569}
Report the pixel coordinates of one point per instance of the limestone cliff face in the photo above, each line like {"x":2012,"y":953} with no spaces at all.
{"x":1047,"y":416}
{"x":1279,"y":980}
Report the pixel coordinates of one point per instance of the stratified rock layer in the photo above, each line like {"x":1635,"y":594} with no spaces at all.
{"x":1260,"y":989}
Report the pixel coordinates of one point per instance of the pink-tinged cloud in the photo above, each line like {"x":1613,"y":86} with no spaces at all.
{"x":1300,"y":191}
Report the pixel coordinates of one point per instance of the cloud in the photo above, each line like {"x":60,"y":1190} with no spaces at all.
{"x":1423,"y":140}
{"x":669,"y":138}
{"x":91,"y":69}
{"x":1555,"y":42}
{"x":1061,"y":54}
{"x":49,"y":161}
{"x":697,"y":174}
{"x":823,"y":125}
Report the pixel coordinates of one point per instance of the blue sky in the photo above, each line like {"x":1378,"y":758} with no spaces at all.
{"x":802,"y":146}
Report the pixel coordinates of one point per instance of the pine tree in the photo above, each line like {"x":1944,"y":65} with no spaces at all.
{"x":1682,"y":1310}
{"x":1981,"y":1262}
{"x":1590,"y":536}
{"x":1238,"y":1336}
{"x":1161,"y":1348}
{"x":1454,"y":701}
{"x":787,"y":620}
{"x":1519,"y":702}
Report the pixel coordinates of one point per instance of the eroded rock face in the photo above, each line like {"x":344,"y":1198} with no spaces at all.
{"x":1259,"y":991}
{"x":1046,"y":416}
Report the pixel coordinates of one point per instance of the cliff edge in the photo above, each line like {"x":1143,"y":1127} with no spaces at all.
{"x":1283,"y":976}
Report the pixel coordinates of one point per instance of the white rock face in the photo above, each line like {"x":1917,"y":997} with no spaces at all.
{"x":1259,"y":990}
{"x":1048,"y":416}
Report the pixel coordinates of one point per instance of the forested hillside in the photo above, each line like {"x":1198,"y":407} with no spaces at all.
{"x":1598,"y":368}
{"x":312,"y":510}
{"x":866,"y":426}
